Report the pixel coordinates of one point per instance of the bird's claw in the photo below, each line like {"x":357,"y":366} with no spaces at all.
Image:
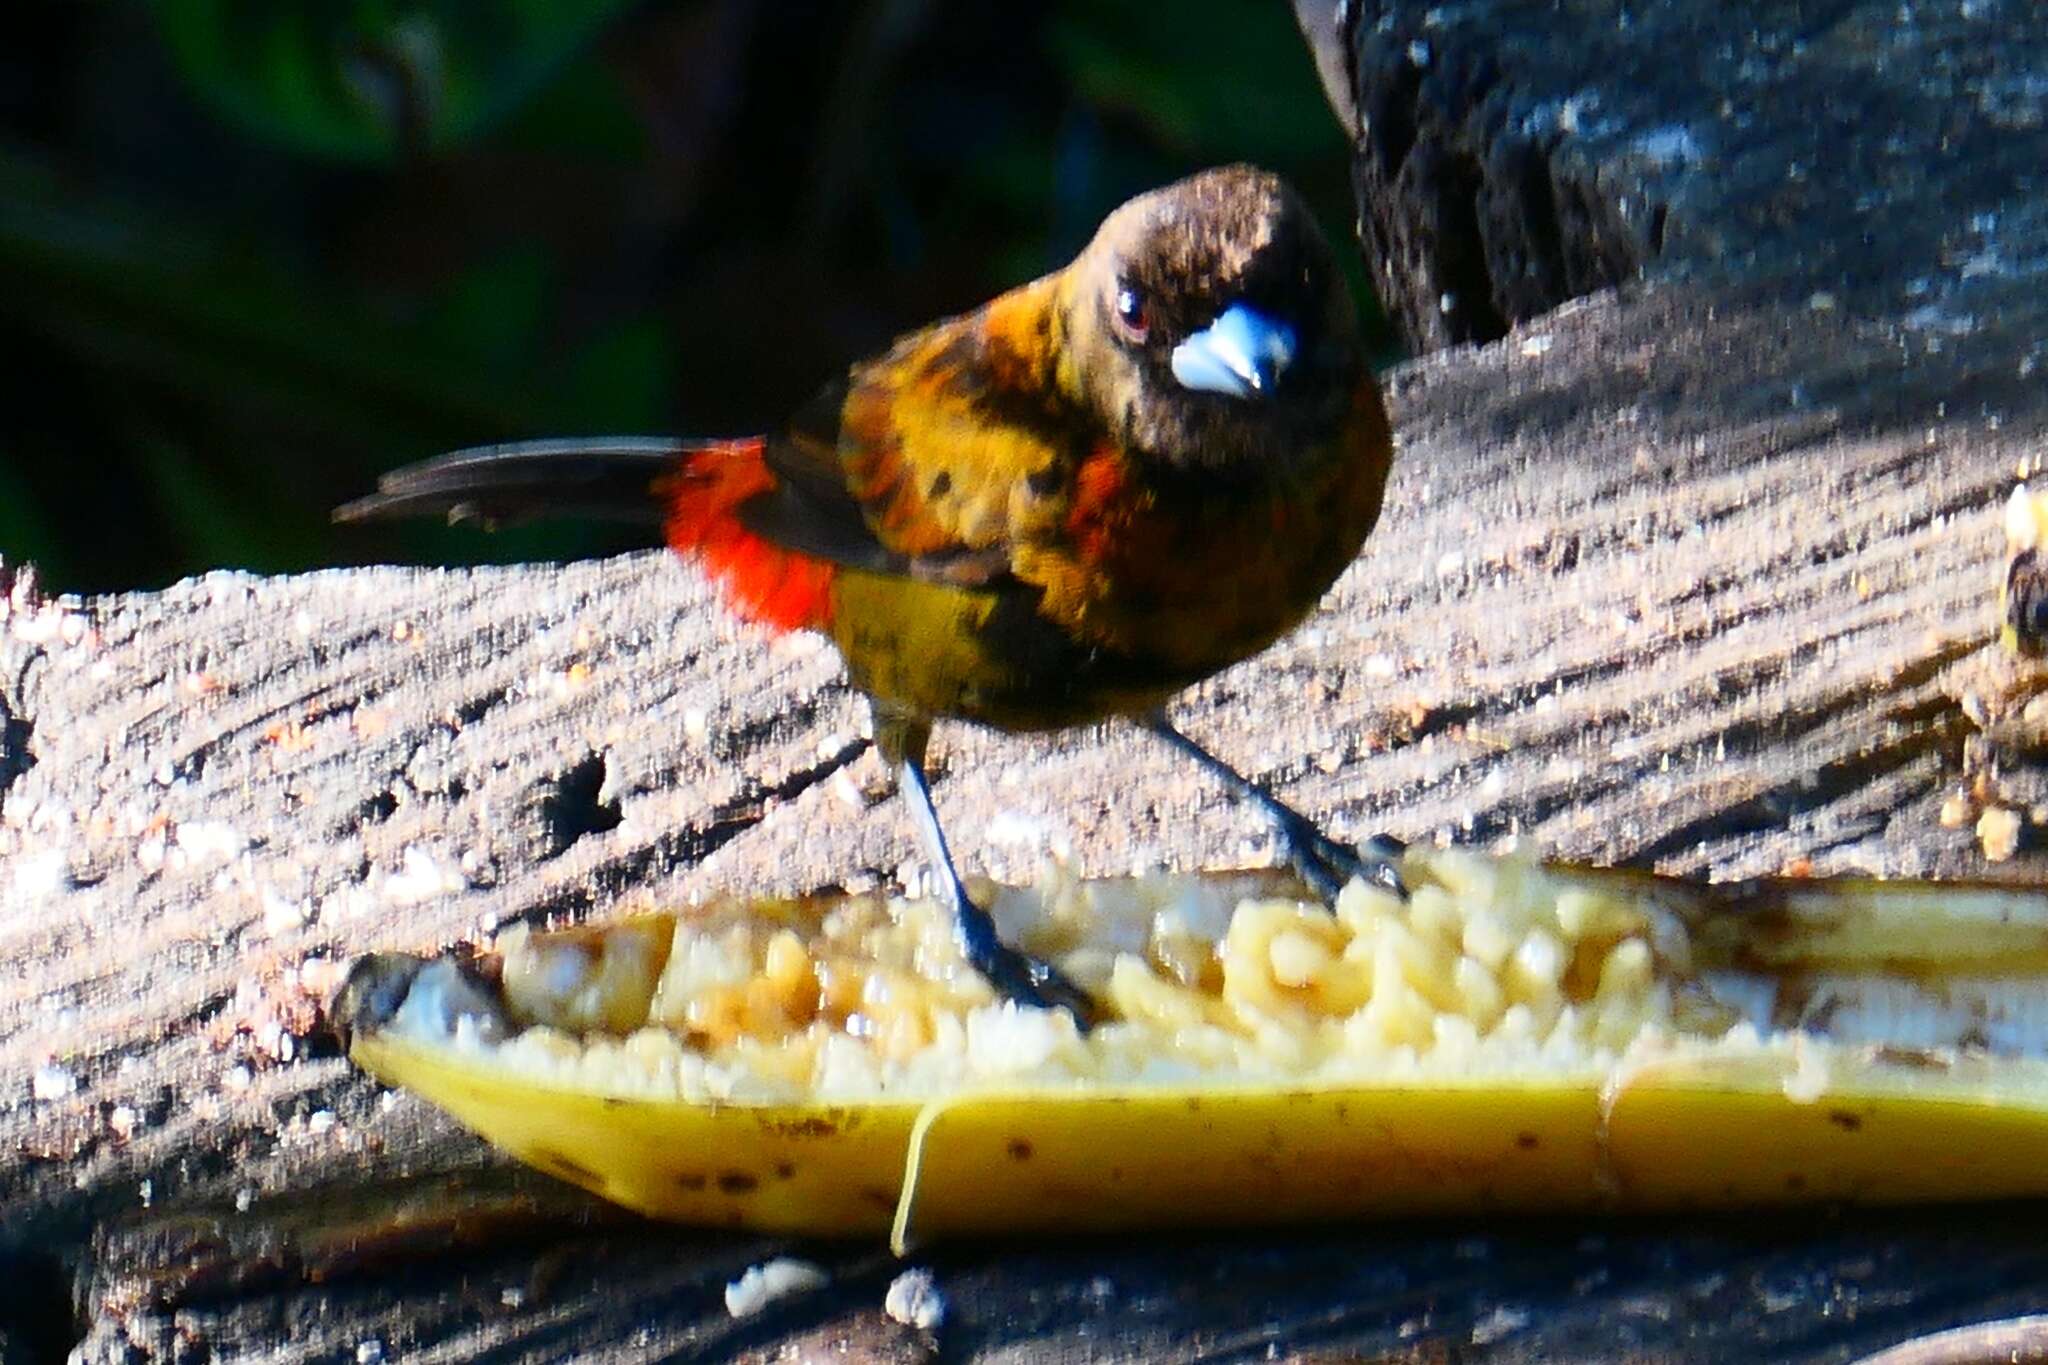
{"x":1028,"y":981}
{"x":1327,"y":865}
{"x":1016,"y":976}
{"x":1381,"y":859}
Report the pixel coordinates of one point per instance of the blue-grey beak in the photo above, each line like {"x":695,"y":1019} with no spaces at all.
{"x":1242,"y":354}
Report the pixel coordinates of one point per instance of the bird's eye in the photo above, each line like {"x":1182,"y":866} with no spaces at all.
{"x":1133,"y":311}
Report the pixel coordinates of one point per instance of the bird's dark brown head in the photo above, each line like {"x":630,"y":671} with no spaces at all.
{"x":1208,"y":325}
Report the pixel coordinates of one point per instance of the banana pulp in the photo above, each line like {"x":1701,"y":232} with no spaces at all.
{"x":1513,"y":1036}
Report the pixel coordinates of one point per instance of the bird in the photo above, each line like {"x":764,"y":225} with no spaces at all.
{"x":1060,"y":508}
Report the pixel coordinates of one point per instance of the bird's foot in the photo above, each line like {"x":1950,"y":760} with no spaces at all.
{"x":1323,"y":863}
{"x":1028,"y":981}
{"x":1327,"y":865}
{"x":1018,"y":976}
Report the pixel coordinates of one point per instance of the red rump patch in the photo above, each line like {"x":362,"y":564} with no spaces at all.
{"x":763,"y":581}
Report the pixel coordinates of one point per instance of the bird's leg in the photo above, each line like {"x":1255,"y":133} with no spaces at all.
{"x":1324,"y":863}
{"x":1015,"y":975}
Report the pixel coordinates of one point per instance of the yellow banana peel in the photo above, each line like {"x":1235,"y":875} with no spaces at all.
{"x":1515,"y":1037}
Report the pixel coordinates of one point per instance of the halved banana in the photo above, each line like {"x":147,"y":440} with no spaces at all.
{"x":1514,"y":1035}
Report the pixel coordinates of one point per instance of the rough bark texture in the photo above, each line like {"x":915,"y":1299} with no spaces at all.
{"x":1682,"y":574}
{"x":1513,"y":154}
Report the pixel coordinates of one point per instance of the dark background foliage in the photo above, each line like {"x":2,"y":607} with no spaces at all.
{"x":252,"y":252}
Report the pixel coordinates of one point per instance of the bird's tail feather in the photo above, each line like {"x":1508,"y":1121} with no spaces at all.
{"x":609,"y":478}
{"x":692,"y":491}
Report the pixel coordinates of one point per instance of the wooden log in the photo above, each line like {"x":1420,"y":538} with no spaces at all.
{"x":1683,"y":573}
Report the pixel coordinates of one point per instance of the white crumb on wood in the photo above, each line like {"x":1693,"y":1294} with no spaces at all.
{"x":772,"y":1280}
{"x":914,"y":1300}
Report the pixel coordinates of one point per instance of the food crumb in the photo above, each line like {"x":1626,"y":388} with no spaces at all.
{"x":915,"y":1301}
{"x":772,"y":1280}
{"x":1998,"y":830}
{"x":1809,"y":1078}
{"x":421,"y":878}
{"x":52,"y":1082}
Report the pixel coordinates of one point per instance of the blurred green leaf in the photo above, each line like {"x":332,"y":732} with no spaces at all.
{"x":23,"y":538}
{"x":291,"y":381}
{"x":366,"y":80}
{"x":584,"y":112}
{"x":1208,"y":76}
{"x":621,"y":379}
{"x":497,"y":309}
{"x":154,"y":300}
{"x":213,"y":523}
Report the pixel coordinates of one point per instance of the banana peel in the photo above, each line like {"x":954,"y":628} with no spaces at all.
{"x":1859,"y":1041}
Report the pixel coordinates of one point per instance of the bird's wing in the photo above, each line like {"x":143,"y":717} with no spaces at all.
{"x":932,"y":461}
{"x":809,"y":508}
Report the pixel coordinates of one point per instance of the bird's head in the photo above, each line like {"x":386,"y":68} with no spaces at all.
{"x":1208,"y":325}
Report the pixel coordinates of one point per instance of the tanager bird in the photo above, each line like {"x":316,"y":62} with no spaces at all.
{"x":1064,"y":506}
